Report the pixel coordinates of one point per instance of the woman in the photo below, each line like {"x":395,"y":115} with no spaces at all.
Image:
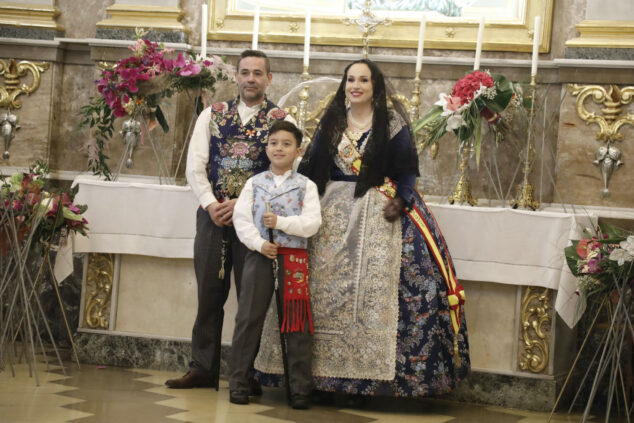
{"x":385,"y":303}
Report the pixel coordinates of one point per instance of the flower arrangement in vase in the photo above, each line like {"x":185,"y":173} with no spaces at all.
{"x":476,"y":98}
{"x":136,"y":86}
{"x":30,"y":212}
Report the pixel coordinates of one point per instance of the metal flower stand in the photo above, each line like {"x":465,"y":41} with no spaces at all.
{"x":610,"y":368}
{"x":24,"y":325}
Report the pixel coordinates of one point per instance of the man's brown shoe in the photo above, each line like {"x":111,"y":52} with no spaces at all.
{"x":191,"y":380}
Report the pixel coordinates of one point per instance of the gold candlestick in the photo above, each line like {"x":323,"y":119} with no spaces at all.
{"x":524,"y":197}
{"x":462,"y":191}
{"x":302,"y":107}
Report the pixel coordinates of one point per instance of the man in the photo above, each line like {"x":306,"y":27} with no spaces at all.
{"x":227,"y":148}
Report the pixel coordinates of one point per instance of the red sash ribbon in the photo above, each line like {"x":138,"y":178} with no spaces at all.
{"x":296,"y":303}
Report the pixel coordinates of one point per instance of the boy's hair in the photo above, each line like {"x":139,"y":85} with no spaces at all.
{"x":255,"y":53}
{"x":284,"y":125}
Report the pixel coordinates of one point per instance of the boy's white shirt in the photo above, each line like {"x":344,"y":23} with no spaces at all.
{"x":304,"y":225}
{"x":198,"y":153}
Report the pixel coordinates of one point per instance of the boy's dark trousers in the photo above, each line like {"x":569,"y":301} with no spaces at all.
{"x":257,"y":290}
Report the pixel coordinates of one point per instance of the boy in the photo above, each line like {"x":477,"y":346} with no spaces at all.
{"x":295,"y":216}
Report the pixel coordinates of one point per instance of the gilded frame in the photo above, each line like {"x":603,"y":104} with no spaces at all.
{"x":453,"y":34}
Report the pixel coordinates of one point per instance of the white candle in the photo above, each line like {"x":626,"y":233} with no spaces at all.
{"x":537,"y":32}
{"x":421,"y":43}
{"x":476,"y":63}
{"x":307,"y":37}
{"x":203,"y":32}
{"x":256,"y":27}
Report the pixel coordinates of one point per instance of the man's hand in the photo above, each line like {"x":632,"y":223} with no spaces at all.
{"x":222,"y":213}
{"x":393,"y":209}
{"x":269,"y":250}
{"x":270,"y":220}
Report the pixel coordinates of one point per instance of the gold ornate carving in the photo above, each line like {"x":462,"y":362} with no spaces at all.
{"x":609,"y":34}
{"x":29,"y":16}
{"x":609,"y":121}
{"x":450,"y":32}
{"x":506,"y":35}
{"x":220,"y":23}
{"x":536,"y":314}
{"x":293,"y":26}
{"x":134,"y":15}
{"x":12,"y":72}
{"x":99,"y":283}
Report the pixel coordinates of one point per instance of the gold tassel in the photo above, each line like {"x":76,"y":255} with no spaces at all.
{"x":456,"y":351}
{"x":223,"y":253}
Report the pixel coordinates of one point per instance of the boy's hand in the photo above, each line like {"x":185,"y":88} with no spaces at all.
{"x":269,"y":250}
{"x":270,"y":220}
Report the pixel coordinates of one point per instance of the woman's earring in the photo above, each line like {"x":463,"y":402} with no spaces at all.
{"x":347,"y":103}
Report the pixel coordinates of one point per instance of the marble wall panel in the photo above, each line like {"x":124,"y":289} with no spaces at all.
{"x":578,"y":179}
{"x":491,"y":315}
{"x":80,"y":21}
{"x":68,"y":141}
{"x":616,"y":10}
{"x":36,"y":118}
{"x":157,"y":297}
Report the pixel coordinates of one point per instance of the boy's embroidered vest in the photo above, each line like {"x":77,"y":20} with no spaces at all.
{"x":285,"y":200}
{"x":236,"y":148}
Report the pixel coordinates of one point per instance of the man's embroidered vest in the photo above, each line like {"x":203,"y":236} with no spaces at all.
{"x":285,"y":200}
{"x":236,"y":148}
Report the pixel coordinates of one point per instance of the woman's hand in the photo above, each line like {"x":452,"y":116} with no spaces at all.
{"x":393,"y":209}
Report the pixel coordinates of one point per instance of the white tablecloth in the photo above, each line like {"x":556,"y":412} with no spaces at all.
{"x":487,"y":244}
{"x":137,"y":218}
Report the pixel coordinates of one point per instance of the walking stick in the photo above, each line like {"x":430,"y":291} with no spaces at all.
{"x":279,"y":314}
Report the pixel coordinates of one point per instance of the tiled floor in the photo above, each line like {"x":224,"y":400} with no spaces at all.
{"x":94,"y":394}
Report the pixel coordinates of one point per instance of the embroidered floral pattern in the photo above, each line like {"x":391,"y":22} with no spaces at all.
{"x":236,"y":147}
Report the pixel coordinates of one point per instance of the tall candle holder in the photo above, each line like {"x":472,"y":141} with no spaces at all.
{"x":302,"y":107}
{"x":414,"y":102}
{"x":524,"y":197}
{"x":462,"y":191}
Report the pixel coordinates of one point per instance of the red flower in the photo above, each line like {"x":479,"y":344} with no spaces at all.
{"x":218,"y":107}
{"x":585,"y":246}
{"x":466,"y":87}
{"x":277,"y":113}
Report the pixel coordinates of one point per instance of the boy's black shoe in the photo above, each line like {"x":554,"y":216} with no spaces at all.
{"x":322,"y":397}
{"x":236,"y":397}
{"x":357,"y":400}
{"x":300,"y":402}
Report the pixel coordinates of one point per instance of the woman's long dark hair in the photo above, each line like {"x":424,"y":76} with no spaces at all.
{"x":374,"y":167}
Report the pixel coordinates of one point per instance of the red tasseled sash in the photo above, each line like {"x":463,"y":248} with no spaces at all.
{"x":296,"y":304}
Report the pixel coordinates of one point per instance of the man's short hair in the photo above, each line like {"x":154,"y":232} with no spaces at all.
{"x":255,"y":53}
{"x":284,"y":125}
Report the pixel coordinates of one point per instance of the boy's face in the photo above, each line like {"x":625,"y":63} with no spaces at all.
{"x":282,"y":150}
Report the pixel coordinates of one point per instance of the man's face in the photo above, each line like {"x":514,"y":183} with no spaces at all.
{"x":252,"y":80}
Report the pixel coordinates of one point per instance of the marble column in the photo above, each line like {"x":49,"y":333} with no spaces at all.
{"x":30,"y":19}
{"x":161,"y":18}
